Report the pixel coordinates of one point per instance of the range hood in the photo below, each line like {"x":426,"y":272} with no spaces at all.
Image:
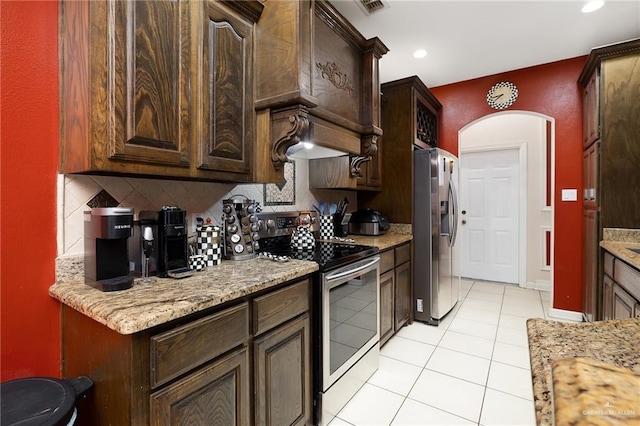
{"x":311,"y":151}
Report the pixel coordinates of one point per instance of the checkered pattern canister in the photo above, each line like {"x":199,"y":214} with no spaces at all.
{"x":198,"y":262}
{"x":302,"y":240}
{"x":326,"y":227}
{"x":208,"y":244}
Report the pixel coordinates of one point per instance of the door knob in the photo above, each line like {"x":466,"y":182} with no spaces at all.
{"x":463,"y":212}
{"x":464,"y":221}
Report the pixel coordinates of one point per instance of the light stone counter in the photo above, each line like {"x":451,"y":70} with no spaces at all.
{"x":398,"y":234}
{"x":614,"y":342}
{"x":148,"y":305}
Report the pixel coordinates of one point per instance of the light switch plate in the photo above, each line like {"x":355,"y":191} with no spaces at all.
{"x":569,"y":195}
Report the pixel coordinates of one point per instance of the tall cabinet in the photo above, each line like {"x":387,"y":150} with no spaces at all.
{"x":611,"y":138}
{"x":409,"y":120}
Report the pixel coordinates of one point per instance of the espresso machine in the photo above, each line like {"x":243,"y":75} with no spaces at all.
{"x":173,"y":246}
{"x":106,"y":254}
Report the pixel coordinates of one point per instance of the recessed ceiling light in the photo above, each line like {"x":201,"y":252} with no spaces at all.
{"x":420,"y":53}
{"x":592,"y":6}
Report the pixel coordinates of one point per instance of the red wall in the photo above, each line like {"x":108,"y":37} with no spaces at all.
{"x":550,"y":89}
{"x":30,"y":319}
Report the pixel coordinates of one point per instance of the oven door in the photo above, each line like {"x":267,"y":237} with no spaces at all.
{"x":350,"y":313}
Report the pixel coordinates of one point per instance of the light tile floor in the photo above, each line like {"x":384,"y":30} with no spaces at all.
{"x":473,"y":369}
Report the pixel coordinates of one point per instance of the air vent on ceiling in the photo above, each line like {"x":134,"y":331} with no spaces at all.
{"x":370,"y":7}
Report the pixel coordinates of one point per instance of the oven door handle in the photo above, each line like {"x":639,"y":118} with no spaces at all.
{"x":355,"y":272}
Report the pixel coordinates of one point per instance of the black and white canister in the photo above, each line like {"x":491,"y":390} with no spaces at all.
{"x":326,"y":227}
{"x":208,"y":244}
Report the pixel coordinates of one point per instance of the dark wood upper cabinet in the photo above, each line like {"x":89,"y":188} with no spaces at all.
{"x":410,"y":114}
{"x":316,"y":78}
{"x":227,"y":121}
{"x":157,"y":88}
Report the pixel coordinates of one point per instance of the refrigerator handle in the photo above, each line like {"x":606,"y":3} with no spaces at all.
{"x":453,"y":202}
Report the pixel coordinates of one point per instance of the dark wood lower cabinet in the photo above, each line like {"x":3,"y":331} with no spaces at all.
{"x":387,"y":290}
{"x":395,"y":290}
{"x":216,"y":395}
{"x":402,"y":295}
{"x":283,"y":375}
{"x":247,"y":363}
{"x":623,"y":303}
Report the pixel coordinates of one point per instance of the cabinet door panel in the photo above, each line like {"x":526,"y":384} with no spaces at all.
{"x":607,"y":298}
{"x":227,"y":94}
{"x":623,"y":303}
{"x":216,"y":395}
{"x":386,"y":306}
{"x":402,"y":295}
{"x":283,"y":375}
{"x":148,"y":79}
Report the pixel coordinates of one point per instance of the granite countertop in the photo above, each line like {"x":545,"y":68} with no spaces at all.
{"x":385,"y":241}
{"x":147,"y":305}
{"x":614,"y":342}
{"x":618,"y":242}
{"x":611,"y":397}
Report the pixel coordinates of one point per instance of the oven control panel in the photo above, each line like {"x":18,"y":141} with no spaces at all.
{"x":284,"y":223}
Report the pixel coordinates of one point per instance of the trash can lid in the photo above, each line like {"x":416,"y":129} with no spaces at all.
{"x":36,"y":401}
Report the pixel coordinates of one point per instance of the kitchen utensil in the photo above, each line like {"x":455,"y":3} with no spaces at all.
{"x":333,"y":208}
{"x":147,"y":249}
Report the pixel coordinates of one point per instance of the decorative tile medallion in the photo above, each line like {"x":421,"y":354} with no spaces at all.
{"x":283,"y":194}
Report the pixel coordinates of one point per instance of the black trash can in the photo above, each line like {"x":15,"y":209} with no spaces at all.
{"x":42,"y":400}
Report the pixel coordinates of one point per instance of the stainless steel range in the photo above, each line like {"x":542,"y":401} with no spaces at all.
{"x":345,"y":310}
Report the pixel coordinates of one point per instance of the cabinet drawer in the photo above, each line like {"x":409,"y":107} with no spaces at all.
{"x":403,"y":254}
{"x":627,"y":277}
{"x":280,"y":306}
{"x":608,"y":264}
{"x":386,"y":261}
{"x":186,"y":347}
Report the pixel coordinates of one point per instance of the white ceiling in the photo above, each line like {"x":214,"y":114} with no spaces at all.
{"x":470,"y":39}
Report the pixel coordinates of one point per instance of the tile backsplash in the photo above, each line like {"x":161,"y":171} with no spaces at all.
{"x":203,"y":199}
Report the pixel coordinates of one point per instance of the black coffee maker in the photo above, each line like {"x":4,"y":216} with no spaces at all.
{"x":172,"y":240}
{"x":106,"y":254}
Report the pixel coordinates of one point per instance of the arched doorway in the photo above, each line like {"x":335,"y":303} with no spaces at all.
{"x":520,"y":188}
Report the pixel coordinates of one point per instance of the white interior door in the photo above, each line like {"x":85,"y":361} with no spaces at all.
{"x":489,"y":194}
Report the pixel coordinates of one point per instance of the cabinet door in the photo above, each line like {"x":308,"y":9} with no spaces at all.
{"x":217,"y":394}
{"x":590,"y":264}
{"x":607,"y":298}
{"x":402,"y":295}
{"x":283,"y":375}
{"x":591,"y":111}
{"x":226,"y":126}
{"x":387,"y":287}
{"x":623,"y":303}
{"x":148,"y":69}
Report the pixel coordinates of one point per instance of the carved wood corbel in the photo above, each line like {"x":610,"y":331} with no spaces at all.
{"x":293,"y":122}
{"x":355,"y":163}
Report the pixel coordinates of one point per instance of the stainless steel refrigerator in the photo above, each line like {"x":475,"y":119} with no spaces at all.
{"x":436,"y":281}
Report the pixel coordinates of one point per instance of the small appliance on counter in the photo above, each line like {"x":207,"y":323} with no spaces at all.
{"x":167,"y":229}
{"x":106,"y":253}
{"x":240,"y":228}
{"x":368,"y":222}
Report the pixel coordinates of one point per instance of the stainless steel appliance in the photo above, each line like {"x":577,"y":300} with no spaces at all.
{"x":368,"y":222}
{"x":435,"y":212}
{"x":240,"y":228}
{"x":106,"y":253}
{"x":345,"y":311}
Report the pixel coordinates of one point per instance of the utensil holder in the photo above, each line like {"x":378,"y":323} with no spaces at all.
{"x":326,"y":227}
{"x":208,"y":244}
